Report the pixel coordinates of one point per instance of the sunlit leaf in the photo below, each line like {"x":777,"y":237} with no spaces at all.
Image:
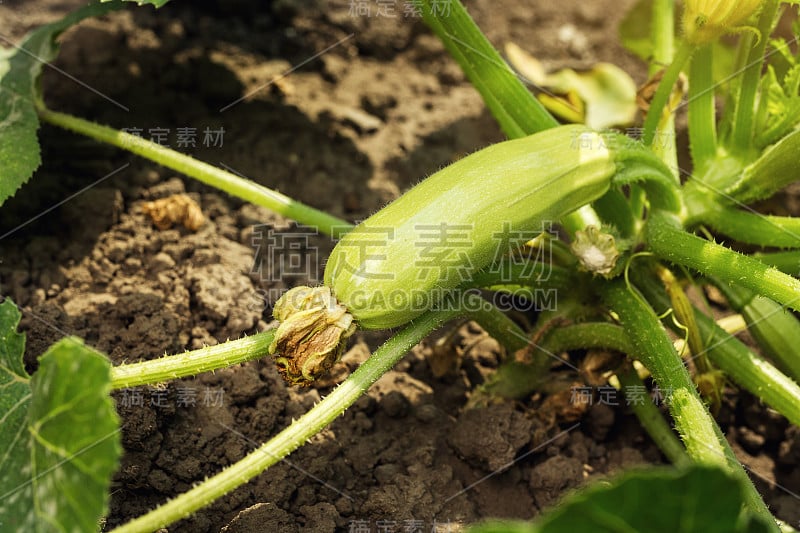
{"x":20,"y":68}
{"x":59,"y":435}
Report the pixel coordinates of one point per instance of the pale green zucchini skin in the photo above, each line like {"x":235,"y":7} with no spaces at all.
{"x":521,"y":183}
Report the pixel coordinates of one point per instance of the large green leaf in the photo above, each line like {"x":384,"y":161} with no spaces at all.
{"x":15,"y":397}
{"x":20,"y":68}
{"x":59,"y":437}
{"x":658,"y":500}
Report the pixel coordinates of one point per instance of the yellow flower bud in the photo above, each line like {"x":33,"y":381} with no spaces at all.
{"x":705,"y":20}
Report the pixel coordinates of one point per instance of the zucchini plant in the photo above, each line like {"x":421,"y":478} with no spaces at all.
{"x":639,"y":234}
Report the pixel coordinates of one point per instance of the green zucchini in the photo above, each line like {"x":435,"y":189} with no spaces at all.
{"x":399,"y":263}
{"x":382,"y":270}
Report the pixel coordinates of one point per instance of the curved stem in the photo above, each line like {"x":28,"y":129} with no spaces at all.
{"x":191,"y":363}
{"x":659,"y":102}
{"x":209,"y":174}
{"x":652,"y":420}
{"x":293,"y":436}
{"x":703,"y":439}
{"x":498,"y":325}
{"x":666,"y":239}
{"x":614,"y":209}
{"x":612,"y":337}
{"x":589,"y":335}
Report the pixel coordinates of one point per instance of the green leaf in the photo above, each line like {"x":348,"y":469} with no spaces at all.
{"x":15,"y":396}
{"x":781,"y":112}
{"x":59,"y":435}
{"x":19,"y":148}
{"x":657,"y":500}
{"x":20,"y":68}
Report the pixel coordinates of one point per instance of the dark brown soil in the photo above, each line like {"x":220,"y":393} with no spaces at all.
{"x":346,"y":132}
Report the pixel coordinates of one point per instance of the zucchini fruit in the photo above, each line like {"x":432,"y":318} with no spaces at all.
{"x":413,"y":254}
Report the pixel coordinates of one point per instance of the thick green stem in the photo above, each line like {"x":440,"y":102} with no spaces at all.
{"x":754,"y":228}
{"x":663,"y":32}
{"x":612,"y":337}
{"x":498,"y":325}
{"x":736,"y":360}
{"x":655,"y":350}
{"x":209,"y":174}
{"x":614,"y":209}
{"x":745,"y":43}
{"x":293,"y":436}
{"x":702,"y":113}
{"x":662,"y":29}
{"x":191,"y":363}
{"x":512,"y":105}
{"x":668,"y":240}
{"x":701,"y":436}
{"x":652,"y":420}
{"x":589,"y":335}
{"x":660,"y":99}
{"x":742,"y":138}
{"x":776,"y":329}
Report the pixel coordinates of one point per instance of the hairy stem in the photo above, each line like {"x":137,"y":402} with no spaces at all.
{"x":293,"y":436}
{"x":613,"y":337}
{"x":511,"y":104}
{"x":701,"y":436}
{"x":662,"y":30}
{"x":736,"y":360}
{"x":208,"y":174}
{"x":191,"y":363}
{"x":499,"y":326}
{"x":668,"y":240}
{"x":652,"y":420}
